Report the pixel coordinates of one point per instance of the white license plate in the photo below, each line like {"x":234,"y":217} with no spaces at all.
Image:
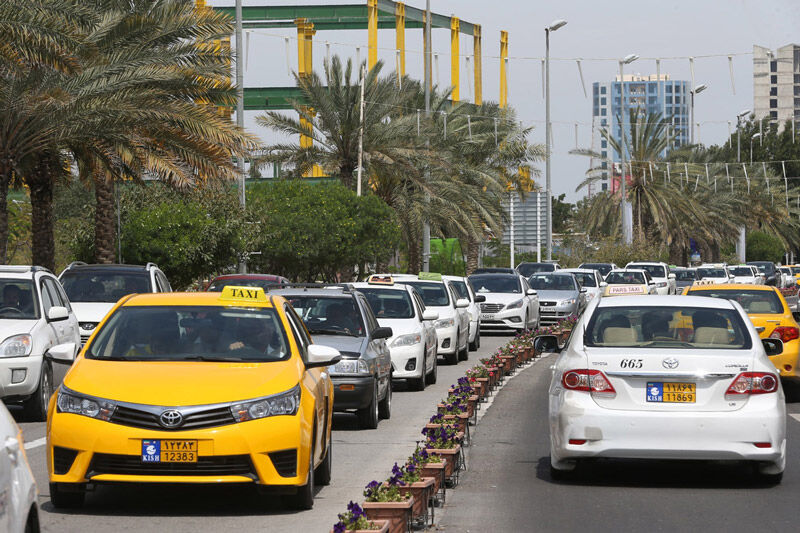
{"x":486,"y":316}
{"x":547,"y":309}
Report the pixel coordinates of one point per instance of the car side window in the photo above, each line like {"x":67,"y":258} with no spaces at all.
{"x":420,"y":304}
{"x":162,"y":280}
{"x":47,"y":298}
{"x":56,"y":293}
{"x":372,"y":322}
{"x":299,"y":331}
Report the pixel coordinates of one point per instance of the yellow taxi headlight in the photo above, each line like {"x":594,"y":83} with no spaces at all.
{"x":285,"y":403}
{"x":72,"y":402}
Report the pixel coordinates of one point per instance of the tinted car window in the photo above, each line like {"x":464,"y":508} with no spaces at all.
{"x":586,"y":280}
{"x":526,"y":269}
{"x":326,"y":315}
{"x":388,"y":303}
{"x":685,"y":275}
{"x":552,"y":282}
{"x":503,"y":284}
{"x":104,"y":286}
{"x":625,"y":278}
{"x":655,"y":271}
{"x":741,"y":271}
{"x":19,"y":299}
{"x":603,"y":268}
{"x":433,"y":294}
{"x":461,"y":289}
{"x":711,"y":273}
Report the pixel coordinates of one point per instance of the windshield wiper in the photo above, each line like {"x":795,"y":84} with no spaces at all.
{"x":331,"y":332}
{"x":215,"y":359}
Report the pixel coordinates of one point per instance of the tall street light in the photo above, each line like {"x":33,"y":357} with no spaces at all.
{"x":426,"y":227}
{"x":697,"y":90}
{"x":739,"y":118}
{"x":756,"y":136}
{"x":552,"y":27}
{"x":240,"y":110}
{"x":627,"y":229}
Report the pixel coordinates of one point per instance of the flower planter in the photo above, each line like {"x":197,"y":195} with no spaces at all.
{"x":421,"y":492}
{"x":450,"y":455}
{"x":460,"y":420}
{"x":472,"y":401}
{"x":520,"y":356}
{"x":382,"y":525}
{"x":434,"y":471}
{"x":396,"y":513}
{"x":564,"y":335}
{"x":508,"y":363}
{"x":483,"y":386}
{"x":528,"y":353}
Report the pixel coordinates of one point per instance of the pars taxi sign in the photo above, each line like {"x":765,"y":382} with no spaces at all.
{"x":378,"y":279}
{"x":243,"y":294}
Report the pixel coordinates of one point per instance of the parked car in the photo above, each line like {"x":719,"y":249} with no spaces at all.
{"x":413,"y":344}
{"x":94,"y":289}
{"x":342,"y":318}
{"x":787,"y":278}
{"x":560,"y":296}
{"x":769,"y":270}
{"x":663,"y":279}
{"x":19,"y":497}
{"x":494,"y":270}
{"x":464,"y":290}
{"x":529,"y":269}
{"x":714,"y":273}
{"x":36,"y":317}
{"x":684,"y":277}
{"x":629,"y":281}
{"x":745,"y":274}
{"x":589,"y":279}
{"x":265,"y":281}
{"x":452,"y":326}
{"x":603,"y":268}
{"x":511,"y":303}
{"x":665,"y":378}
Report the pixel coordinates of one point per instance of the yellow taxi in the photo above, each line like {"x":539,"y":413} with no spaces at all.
{"x":770,"y":315}
{"x":195,"y":388}
{"x":795,"y":272}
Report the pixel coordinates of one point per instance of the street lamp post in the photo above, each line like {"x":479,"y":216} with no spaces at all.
{"x":426,"y":227}
{"x":552,"y":27}
{"x":696,"y":90}
{"x":627,"y":230}
{"x":741,"y":244}
{"x":756,"y":136}
{"x":240,"y":111}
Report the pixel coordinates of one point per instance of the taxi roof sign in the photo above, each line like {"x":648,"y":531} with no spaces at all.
{"x":379,"y":279}
{"x":430,"y":276}
{"x":243,"y":294}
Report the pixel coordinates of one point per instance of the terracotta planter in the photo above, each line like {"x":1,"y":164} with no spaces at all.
{"x":460,"y":420}
{"x":396,"y":513}
{"x":433,"y":471}
{"x":472,"y":402}
{"x":437,"y":426}
{"x":528,"y":353}
{"x":450,"y":455}
{"x":520,"y":356}
{"x":483,"y":386}
{"x":421,"y":492}
{"x":508,"y":363}
{"x":383,"y":527}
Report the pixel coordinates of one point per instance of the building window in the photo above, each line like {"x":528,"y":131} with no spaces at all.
{"x":773,"y":115}
{"x":603,"y":90}
{"x":604,"y":164}
{"x":603,"y":122}
{"x":604,"y":186}
{"x":773,"y":79}
{"x":594,"y":88}
{"x":604,"y":144}
{"x":773,"y":103}
{"x":797,"y":102}
{"x":773,"y":66}
{"x":652,"y":87}
{"x":773,"y":91}
{"x":669,"y":99}
{"x":651,"y":100}
{"x":797,"y":78}
{"x":603,"y":100}
{"x":797,"y":90}
{"x":677,"y":99}
{"x":669,"y":88}
{"x":603,"y":112}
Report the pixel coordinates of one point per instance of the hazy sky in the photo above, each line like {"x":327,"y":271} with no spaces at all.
{"x":595,"y":30}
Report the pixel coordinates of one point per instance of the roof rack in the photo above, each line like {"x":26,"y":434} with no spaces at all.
{"x":76,"y":263}
{"x":346,"y":287}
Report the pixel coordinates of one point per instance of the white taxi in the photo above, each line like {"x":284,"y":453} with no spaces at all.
{"x":629,"y":281}
{"x":667,"y":377}
{"x":464,"y":290}
{"x":19,"y":508}
{"x":413,"y":344}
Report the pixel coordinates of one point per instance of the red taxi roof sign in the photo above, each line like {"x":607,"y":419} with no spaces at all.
{"x":380,"y":279}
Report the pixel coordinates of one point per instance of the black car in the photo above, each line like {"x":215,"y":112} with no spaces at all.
{"x":603,"y":268}
{"x":529,"y":269}
{"x":341,"y":317}
{"x":769,"y":270}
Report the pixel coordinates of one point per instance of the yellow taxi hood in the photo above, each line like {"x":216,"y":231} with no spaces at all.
{"x":181,"y":383}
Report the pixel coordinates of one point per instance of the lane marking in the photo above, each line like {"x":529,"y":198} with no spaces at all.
{"x":35,"y":443}
{"x":795,"y":416}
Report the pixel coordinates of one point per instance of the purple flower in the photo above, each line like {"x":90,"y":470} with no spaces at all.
{"x":339,"y":527}
{"x":411,"y":468}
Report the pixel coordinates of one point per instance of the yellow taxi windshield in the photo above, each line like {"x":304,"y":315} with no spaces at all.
{"x":191,"y":333}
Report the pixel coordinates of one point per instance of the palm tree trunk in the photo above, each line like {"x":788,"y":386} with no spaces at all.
{"x":104,"y":223}
{"x":414,"y":256}
{"x":40,"y":183}
{"x":5,"y":179}
{"x":473,"y":251}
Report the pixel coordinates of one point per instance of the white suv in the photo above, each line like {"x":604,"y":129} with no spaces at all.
{"x":663,"y":279}
{"x":37,"y":328}
{"x":464,"y":290}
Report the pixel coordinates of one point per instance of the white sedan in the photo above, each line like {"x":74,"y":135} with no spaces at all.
{"x":19,"y":510}
{"x":746,"y":274}
{"x":667,"y":377}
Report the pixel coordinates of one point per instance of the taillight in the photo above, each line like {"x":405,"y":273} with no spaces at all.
{"x":785,"y":333}
{"x":587,"y":380}
{"x":753,"y":383}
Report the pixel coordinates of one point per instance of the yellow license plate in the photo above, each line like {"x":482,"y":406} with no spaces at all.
{"x":169,"y":451}
{"x":664,"y":392}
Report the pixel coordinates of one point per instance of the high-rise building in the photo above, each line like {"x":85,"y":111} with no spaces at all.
{"x":776,"y":84}
{"x":648,"y":94}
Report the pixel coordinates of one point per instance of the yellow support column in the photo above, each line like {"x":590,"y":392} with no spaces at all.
{"x":400,"y":29}
{"x":476,"y":52}
{"x":503,"y":57}
{"x":305,"y":32}
{"x":455,"y":50}
{"x":372,"y":31}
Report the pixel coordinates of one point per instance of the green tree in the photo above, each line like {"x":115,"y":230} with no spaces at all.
{"x":563,"y":213}
{"x":762,"y":246}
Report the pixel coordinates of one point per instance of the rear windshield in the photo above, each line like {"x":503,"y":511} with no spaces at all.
{"x":685,"y":275}
{"x":603,"y":268}
{"x":433,"y":294}
{"x":753,"y":302}
{"x":655,"y":271}
{"x":703,"y":273}
{"x":388,"y":303}
{"x":502,"y":284}
{"x":191,"y":333}
{"x":625,"y":278}
{"x":767,"y":269}
{"x":104,"y":286}
{"x":667,"y":327}
{"x":552,"y":282}
{"x":586,"y":280}
{"x":218,"y":285}
{"x":328,"y":315}
{"x":531,"y":268}
{"x":795,"y":270}
{"x":741,"y":271}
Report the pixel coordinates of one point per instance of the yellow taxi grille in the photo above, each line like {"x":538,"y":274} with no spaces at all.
{"x":226,"y":465}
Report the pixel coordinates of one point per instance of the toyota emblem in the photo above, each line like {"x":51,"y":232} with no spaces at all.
{"x":171,"y":418}
{"x":669,"y":362}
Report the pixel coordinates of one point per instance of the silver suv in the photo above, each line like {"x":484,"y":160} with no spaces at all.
{"x":37,"y":327}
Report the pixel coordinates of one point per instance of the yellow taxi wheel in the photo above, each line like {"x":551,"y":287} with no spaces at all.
{"x":322,"y":475}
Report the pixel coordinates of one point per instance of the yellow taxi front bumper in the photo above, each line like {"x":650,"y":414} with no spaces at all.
{"x":270,"y":451}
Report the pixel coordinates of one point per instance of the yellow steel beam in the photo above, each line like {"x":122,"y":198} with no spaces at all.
{"x":372,"y":31}
{"x":305,"y":65}
{"x":476,"y":43}
{"x":400,"y":29}
{"x":503,"y":57}
{"x":454,"y":57}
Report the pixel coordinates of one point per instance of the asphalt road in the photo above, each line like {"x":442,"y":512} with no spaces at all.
{"x":359,"y":457}
{"x":508,"y":485}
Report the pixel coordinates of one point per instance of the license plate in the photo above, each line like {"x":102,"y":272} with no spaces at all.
{"x":169,"y":451}
{"x":663,"y":392}
{"x":487,"y":316}
{"x":547,"y":309}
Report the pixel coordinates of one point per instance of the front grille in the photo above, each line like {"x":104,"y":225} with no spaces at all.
{"x":84,"y":338}
{"x":547,"y":304}
{"x":285,"y":462}
{"x":128,"y":416}
{"x":227,"y":465}
{"x":491,"y":308}
{"x":63,"y":459}
{"x":549,"y":317}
